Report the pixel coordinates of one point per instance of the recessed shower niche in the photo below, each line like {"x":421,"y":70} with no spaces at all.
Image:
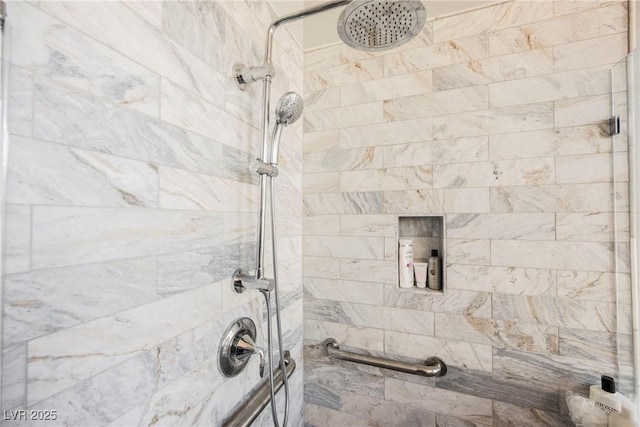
{"x":426,"y":234}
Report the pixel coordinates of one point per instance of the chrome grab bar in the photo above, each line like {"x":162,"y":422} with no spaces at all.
{"x":435,"y":366}
{"x":248,"y":411}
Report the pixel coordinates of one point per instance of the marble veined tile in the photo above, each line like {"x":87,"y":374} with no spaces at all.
{"x":583,"y":111}
{"x":322,"y":225}
{"x":85,"y":403}
{"x":544,"y":370}
{"x":587,"y":256}
{"x":436,"y":104}
{"x":468,"y":303}
{"x":14,"y":375}
{"x":95,"y":346}
{"x":592,"y":227}
{"x":368,"y":270}
{"x":387,"y":318}
{"x":181,"y":271}
{"x":498,"y":333}
{"x":17,"y":249}
{"x":524,"y":226}
{"x":491,"y":18}
{"x":343,"y":290}
{"x":406,"y":131}
{"x":318,"y":416}
{"x":387,"y":88}
{"x":67,"y":56}
{"x":323,"y":182}
{"x":592,"y":285}
{"x":471,"y":408}
{"x":344,"y":117}
{"x":589,"y":139}
{"x":385,"y":412}
{"x":551,"y":87}
{"x":605,"y":50}
{"x":115,"y":25}
{"x":491,"y":70}
{"x":489,"y":122}
{"x":593,"y":345}
{"x":337,"y":379}
{"x":570,"y":169}
{"x":506,"y":414}
{"x":322,"y":57}
{"x":322,"y":141}
{"x":343,"y":160}
{"x":343,"y":203}
{"x":565,"y":313}
{"x":498,"y":388}
{"x":591,"y":23}
{"x":499,"y":173}
{"x":181,"y":189}
{"x":44,"y":301}
{"x":150,"y":11}
{"x":556,"y":198}
{"x":468,"y":251}
{"x":79,"y":119}
{"x":198,"y":27}
{"x":387,"y":179}
{"x":20,"y":101}
{"x":368,"y":69}
{"x":189,"y":111}
{"x":323,"y":99}
{"x":437,"y":152}
{"x":68,"y":236}
{"x":437,"y":201}
{"x":345,"y":247}
{"x":51,"y":174}
{"x":368,"y":225}
{"x":437,"y":55}
{"x":507,"y":280}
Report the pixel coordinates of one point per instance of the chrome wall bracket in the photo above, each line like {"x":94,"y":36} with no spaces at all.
{"x":244,"y":74}
{"x":243,"y":281}
{"x":237,"y":346}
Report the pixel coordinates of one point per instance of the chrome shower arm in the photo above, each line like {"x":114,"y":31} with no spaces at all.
{"x":294,"y":17}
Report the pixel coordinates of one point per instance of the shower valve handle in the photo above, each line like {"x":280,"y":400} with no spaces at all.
{"x":245,"y":347}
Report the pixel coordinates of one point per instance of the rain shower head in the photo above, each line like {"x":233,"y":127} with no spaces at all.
{"x":374,"y":25}
{"x":289,"y":108}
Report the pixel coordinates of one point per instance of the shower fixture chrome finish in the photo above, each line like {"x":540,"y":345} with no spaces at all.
{"x":244,"y":74}
{"x":243,"y":281}
{"x":237,"y":346}
{"x":288,"y":110}
{"x":376,"y":25}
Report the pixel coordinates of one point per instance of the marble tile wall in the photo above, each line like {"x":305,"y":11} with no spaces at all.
{"x":131,"y":200}
{"x":494,"y":118}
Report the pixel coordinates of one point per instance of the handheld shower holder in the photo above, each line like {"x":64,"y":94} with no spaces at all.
{"x":263,"y":168}
{"x":243,"y":281}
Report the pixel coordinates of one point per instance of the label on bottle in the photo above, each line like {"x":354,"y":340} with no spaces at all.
{"x":606,"y":408}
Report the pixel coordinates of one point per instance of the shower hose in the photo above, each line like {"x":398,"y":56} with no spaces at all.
{"x":267,"y":297}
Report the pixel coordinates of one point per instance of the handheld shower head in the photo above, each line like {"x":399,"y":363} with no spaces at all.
{"x":288,"y":110}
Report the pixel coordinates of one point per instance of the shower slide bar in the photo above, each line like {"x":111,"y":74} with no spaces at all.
{"x":435,"y":366}
{"x":248,"y":411}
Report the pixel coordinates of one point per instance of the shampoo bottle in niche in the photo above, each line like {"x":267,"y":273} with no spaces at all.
{"x":433,"y":272}
{"x":405,"y":263}
{"x":605,"y":395}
